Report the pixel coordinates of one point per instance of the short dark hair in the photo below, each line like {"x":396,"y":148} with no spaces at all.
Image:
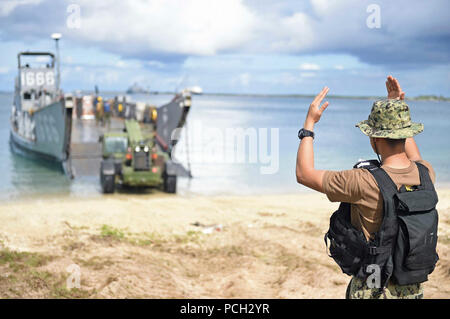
{"x":395,"y":142}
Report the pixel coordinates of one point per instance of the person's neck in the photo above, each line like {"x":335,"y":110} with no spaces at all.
{"x":396,"y":160}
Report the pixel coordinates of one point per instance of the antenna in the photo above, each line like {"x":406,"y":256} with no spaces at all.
{"x":56,"y":37}
{"x":181,"y":80}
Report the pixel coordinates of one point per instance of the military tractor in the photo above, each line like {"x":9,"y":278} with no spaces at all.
{"x":132,"y":158}
{"x":141,"y":154}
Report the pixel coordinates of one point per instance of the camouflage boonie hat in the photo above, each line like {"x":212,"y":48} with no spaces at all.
{"x":390,"y":118}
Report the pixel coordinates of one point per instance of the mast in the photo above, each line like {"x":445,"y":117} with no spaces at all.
{"x":56,"y":37}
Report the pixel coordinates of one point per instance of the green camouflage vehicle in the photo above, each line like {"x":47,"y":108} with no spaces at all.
{"x":141,"y":155}
{"x":133,"y":158}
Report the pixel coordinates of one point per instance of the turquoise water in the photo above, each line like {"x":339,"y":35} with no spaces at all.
{"x":338,"y":145}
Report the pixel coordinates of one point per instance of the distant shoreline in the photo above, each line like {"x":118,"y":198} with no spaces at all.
{"x":416,"y":98}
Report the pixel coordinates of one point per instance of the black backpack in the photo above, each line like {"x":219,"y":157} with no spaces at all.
{"x":404,"y":248}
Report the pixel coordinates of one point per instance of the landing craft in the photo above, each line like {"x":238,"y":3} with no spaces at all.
{"x":40,"y":119}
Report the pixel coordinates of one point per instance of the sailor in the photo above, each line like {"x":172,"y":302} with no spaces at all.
{"x":363,"y":193}
{"x":99,"y":110}
{"x":95,"y":102}
{"x":107,"y":113}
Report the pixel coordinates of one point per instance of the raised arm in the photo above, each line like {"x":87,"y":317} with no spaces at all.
{"x":395,"y":92}
{"x":305,"y":171}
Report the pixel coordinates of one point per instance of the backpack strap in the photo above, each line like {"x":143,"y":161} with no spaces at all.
{"x":387,"y":186}
{"x":424,"y":174}
{"x":388,"y":189}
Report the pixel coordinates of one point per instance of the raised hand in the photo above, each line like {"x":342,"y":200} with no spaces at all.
{"x":393,"y":88}
{"x":315,"y":109}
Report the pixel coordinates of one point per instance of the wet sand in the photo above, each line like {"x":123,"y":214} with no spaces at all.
{"x":161,"y":246}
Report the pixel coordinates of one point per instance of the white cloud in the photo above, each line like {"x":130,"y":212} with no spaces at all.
{"x":7,"y":6}
{"x":339,"y":67}
{"x":323,"y":7}
{"x":199,"y":27}
{"x":309,"y":66}
{"x":173,"y":29}
{"x":286,"y":34}
{"x":4,"y":69}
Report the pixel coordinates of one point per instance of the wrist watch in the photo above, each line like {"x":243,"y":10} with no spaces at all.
{"x":304,"y":133}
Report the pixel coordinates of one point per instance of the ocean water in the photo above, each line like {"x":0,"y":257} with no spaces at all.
{"x":220,"y":166}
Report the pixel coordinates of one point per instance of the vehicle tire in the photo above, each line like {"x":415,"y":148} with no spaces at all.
{"x":108,"y":184}
{"x":170,"y":184}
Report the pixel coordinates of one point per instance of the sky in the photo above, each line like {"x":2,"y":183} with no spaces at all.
{"x":235,"y":46}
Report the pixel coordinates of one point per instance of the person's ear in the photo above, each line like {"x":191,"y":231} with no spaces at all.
{"x":372,"y":143}
{"x":375,"y":145}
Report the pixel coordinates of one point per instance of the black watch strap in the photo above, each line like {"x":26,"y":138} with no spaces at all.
{"x":304,"y":133}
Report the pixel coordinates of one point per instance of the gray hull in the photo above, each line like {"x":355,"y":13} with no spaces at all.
{"x":51,"y":133}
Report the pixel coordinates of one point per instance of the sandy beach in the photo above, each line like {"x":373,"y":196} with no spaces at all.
{"x":163,"y":246}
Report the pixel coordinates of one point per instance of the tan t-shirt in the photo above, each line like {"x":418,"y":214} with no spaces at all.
{"x":358,"y":187}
